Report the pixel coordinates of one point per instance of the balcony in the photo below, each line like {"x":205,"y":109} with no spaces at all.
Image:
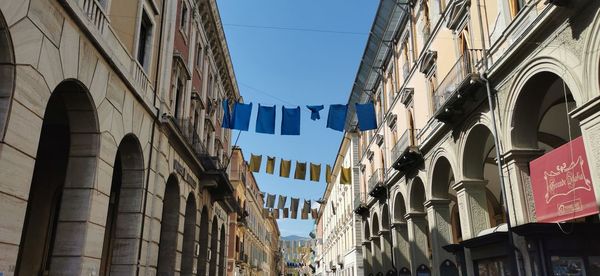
{"x":360,"y":205}
{"x":406,"y":154}
{"x":95,"y":20}
{"x":454,"y":96}
{"x":211,"y":174}
{"x":376,"y":183}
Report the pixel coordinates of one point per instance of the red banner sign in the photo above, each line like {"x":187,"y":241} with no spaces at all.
{"x":561,"y":184}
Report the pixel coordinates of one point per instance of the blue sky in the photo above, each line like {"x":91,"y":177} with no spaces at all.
{"x":282,"y":66}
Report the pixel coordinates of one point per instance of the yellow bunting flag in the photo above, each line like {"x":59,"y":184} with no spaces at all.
{"x":284,"y":168}
{"x":300,"y":172}
{"x":255,"y":161}
{"x":270,"y":164}
{"x":315,"y":172}
{"x":328,"y":174}
{"x":346,"y":177}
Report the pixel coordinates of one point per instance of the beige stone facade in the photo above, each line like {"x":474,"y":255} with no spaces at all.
{"x":433,"y":202}
{"x":255,"y":232}
{"x":340,"y":242}
{"x":105,"y":167}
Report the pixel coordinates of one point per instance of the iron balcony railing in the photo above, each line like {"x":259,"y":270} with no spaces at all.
{"x":376,"y":179}
{"x":189,"y":131}
{"x":401,"y":144}
{"x":468,"y":64}
{"x":360,"y":199}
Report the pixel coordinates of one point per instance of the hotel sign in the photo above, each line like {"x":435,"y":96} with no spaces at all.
{"x":561,"y":184}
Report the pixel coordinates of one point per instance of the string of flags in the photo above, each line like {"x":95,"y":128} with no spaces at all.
{"x":300,"y":169}
{"x":239,"y":117}
{"x":281,"y":211}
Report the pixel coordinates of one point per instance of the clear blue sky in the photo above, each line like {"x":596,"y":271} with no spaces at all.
{"x":292,"y":67}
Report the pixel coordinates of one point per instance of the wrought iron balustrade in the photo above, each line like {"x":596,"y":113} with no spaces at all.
{"x":376,"y":179}
{"x":467,"y":65}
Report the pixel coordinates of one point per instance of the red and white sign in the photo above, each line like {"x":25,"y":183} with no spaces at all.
{"x":561,"y":184}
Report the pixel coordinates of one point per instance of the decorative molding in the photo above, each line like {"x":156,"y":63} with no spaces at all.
{"x":406,"y":95}
{"x":458,"y":13}
{"x":370,"y":155}
{"x":379,"y":139}
{"x":429,"y":59}
{"x":391,"y":120}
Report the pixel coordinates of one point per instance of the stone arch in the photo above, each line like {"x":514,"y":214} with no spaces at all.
{"x":7,"y":74}
{"x":189,"y":236}
{"x":375,"y":227}
{"x":399,"y":208}
{"x":214,"y":243}
{"x":416,"y":193}
{"x":169,"y":228}
{"x":122,"y":234}
{"x":64,"y":176}
{"x":442,"y":177}
{"x":385,"y":217}
{"x":203,"y":241}
{"x":591,"y":51}
{"x":222,"y":252}
{"x":478,"y":143}
{"x":366,"y":230}
{"x":531,"y":85}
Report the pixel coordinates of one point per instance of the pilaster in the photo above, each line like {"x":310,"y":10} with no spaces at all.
{"x":472,"y":207}
{"x":438,"y":213}
{"x":519,"y":195}
{"x":417,"y":236}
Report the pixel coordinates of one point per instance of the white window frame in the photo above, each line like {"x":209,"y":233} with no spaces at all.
{"x":149,"y":49}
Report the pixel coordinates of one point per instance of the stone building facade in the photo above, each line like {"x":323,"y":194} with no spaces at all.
{"x":445,"y":178}
{"x":112,"y":159}
{"x":253,"y":232}
{"x":341,"y":238}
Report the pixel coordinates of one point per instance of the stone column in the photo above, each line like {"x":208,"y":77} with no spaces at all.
{"x":386,"y":251}
{"x":376,"y":260}
{"x":401,"y":245}
{"x":519,"y":195}
{"x":367,"y":258}
{"x":417,"y":236}
{"x":472,"y":207}
{"x":438,"y":213}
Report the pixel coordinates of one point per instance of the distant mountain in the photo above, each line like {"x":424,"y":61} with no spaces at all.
{"x":294,"y":238}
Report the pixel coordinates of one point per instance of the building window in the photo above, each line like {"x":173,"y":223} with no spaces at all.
{"x":516,"y":6}
{"x":103,"y":4}
{"x":183,"y":17}
{"x":432,"y":86}
{"x":178,"y":101}
{"x":144,"y":41}
{"x":199,"y":56}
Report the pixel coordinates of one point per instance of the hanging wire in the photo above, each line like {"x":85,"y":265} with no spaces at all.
{"x":570,"y":231}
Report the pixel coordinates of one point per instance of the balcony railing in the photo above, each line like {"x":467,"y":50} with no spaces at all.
{"x":189,"y":131}
{"x":467,"y":65}
{"x":401,"y":144}
{"x":376,"y":179}
{"x":95,"y":13}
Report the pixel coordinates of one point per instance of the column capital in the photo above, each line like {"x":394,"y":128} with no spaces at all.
{"x":466,"y":183}
{"x":374,"y":237}
{"x":437,"y":202}
{"x":382,"y":232}
{"x":411,"y":216}
{"x":521,"y":155}
{"x":399,"y":225}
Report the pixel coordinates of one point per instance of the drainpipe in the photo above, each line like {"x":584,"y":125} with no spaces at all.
{"x":512,"y":249}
